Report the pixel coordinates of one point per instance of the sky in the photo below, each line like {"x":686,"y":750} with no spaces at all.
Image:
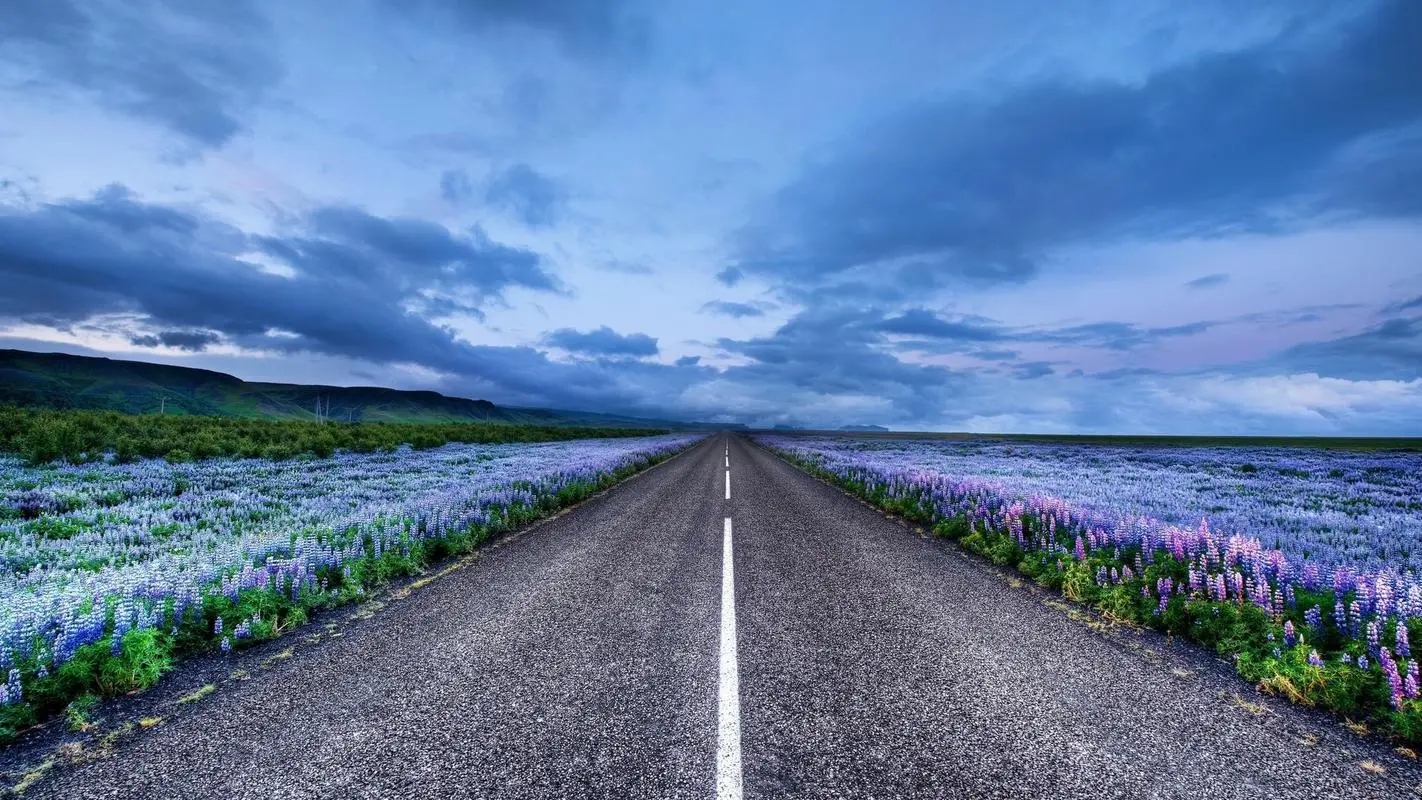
{"x":1084,"y":217}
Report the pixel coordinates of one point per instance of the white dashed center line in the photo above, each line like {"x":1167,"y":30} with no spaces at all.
{"x":728,"y":739}
{"x":728,"y":484}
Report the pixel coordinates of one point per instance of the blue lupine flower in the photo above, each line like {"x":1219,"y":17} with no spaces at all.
{"x":1314,"y":619}
{"x":14,"y":692}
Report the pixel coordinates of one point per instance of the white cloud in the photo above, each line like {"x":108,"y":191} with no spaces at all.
{"x":1302,"y":397}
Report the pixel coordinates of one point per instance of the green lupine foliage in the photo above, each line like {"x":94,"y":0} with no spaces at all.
{"x":42,"y":436}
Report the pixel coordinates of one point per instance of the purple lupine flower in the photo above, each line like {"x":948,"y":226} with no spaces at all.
{"x":1394,"y":679}
{"x":1373,"y":639}
{"x":1314,"y":619}
{"x":1404,"y":648}
{"x":1080,"y":552}
{"x":226,"y":645}
{"x":217,"y":627}
{"x":1363,"y":663}
{"x":1410,"y":684}
{"x":1314,"y":659}
{"x":1289,"y":637}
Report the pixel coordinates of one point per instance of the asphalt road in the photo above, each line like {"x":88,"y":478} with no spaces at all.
{"x":590,"y":657}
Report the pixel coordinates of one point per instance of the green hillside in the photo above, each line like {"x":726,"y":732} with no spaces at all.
{"x":62,"y":381}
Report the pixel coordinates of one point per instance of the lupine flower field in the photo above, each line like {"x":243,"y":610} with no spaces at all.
{"x":108,"y":572}
{"x":1300,"y":565}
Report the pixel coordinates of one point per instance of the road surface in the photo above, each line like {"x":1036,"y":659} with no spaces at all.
{"x":615,"y":652}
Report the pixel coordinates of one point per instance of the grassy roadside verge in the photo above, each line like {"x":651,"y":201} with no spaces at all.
{"x":225,"y":618}
{"x":1335,"y":661}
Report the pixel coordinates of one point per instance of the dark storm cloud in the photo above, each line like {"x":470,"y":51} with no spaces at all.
{"x":834,"y":351}
{"x":624,"y":267}
{"x":407,"y":255}
{"x":727,"y":308}
{"x":920,"y":322}
{"x":603,"y":342}
{"x":1032,"y":370}
{"x":586,"y":27}
{"x":455,"y":186}
{"x":191,"y":341}
{"x":359,"y":289}
{"x":1115,"y":335}
{"x":932,"y":332}
{"x":975,"y":190}
{"x":1208,"y":281}
{"x":195,"y":67}
{"x":1405,"y":305}
{"x":996,"y":355}
{"x":730,"y":276}
{"x":688,"y":361}
{"x":1391,"y":350}
{"x":531,"y":196}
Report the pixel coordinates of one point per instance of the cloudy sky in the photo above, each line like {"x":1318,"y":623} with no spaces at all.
{"x":1133,"y":216}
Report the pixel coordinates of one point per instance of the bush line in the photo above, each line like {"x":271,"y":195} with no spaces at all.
{"x":43,"y":436}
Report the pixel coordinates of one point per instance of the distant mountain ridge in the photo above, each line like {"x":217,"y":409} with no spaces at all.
{"x":60,"y":380}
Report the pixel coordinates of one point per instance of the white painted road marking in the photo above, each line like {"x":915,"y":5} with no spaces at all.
{"x":728,"y":462}
{"x":728,"y":739}
{"x":728,"y":484}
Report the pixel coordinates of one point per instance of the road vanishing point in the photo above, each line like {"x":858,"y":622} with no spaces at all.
{"x":724,"y":625}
